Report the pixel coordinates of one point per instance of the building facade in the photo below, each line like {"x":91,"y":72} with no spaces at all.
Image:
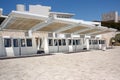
{"x":40,"y":30}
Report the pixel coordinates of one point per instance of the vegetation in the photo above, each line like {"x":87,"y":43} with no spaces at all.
{"x":117,"y":40}
{"x":111,"y":24}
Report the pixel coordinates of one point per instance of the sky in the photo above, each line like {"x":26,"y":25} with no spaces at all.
{"x":83,"y":9}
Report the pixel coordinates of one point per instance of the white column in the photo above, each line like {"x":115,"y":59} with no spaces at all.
{"x":87,"y":44}
{"x":46,"y":45}
{"x":30,"y":33}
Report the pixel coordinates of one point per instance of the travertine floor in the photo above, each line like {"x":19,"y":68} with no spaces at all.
{"x":93,"y":65}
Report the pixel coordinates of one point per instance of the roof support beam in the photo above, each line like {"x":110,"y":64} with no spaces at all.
{"x":66,"y":28}
{"x":96,"y":32}
{"x":41,"y":25}
{"x":83,"y":30}
{"x":88,"y":27}
{"x":4,"y":24}
{"x":101,"y":29}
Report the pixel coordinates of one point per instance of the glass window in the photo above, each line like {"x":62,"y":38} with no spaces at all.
{"x":102,"y":41}
{"x":29,"y":42}
{"x":96,"y":42}
{"x":93,"y":41}
{"x":60,"y":43}
{"x":7,"y":42}
{"x":55,"y":42}
{"x":50,"y":41}
{"x":73,"y":42}
{"x":15,"y":42}
{"x":64,"y":42}
{"x":90,"y":42}
{"x":99,"y":41}
{"x":22,"y":42}
{"x":77,"y":42}
{"x":69,"y":42}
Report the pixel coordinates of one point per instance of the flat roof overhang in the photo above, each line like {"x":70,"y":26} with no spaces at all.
{"x":53,"y":26}
{"x":22,"y":20}
{"x":89,"y":31}
{"x":28,"y":21}
{"x":57,"y":24}
{"x":62,"y":25}
{"x":107,"y":30}
{"x":75,"y":29}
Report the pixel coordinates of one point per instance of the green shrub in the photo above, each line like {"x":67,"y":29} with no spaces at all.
{"x":117,"y":38}
{"x":111,"y":25}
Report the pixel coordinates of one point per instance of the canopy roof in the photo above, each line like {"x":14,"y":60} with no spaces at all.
{"x":22,"y":21}
{"x":28,"y":21}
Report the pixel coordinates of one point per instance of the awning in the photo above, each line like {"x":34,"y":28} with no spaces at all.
{"x":33,"y":22}
{"x":107,"y":30}
{"x":22,"y":20}
{"x":57,"y":24}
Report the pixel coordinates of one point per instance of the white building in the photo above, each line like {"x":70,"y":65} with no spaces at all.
{"x":39,"y":30}
{"x":111,"y":16}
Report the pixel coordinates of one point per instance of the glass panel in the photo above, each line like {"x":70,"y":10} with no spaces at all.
{"x":77,"y":42}
{"x":50,"y":41}
{"x":93,"y":42}
{"x":60,"y":43}
{"x":15,"y":42}
{"x":55,"y":42}
{"x":7,"y":42}
{"x":64,"y":42}
{"x":99,"y":41}
{"x":90,"y":42}
{"x":73,"y":42}
{"x":22,"y":42}
{"x":102,"y":41}
{"x":69,"y":42}
{"x":29,"y":42}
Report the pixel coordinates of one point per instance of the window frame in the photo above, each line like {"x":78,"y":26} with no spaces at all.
{"x":6,"y":43}
{"x":55,"y":42}
{"x":50,"y":42}
{"x":63,"y":42}
{"x":74,"y":42}
{"x":59,"y":42}
{"x":29,"y":44}
{"x":21,"y":43}
{"x":77,"y":41}
{"x":69,"y":41}
{"x":17,"y":43}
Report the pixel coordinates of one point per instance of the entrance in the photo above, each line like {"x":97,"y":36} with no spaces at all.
{"x":39,"y":43}
{"x":62,"y":45}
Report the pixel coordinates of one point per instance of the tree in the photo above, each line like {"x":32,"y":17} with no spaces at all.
{"x":117,"y":38}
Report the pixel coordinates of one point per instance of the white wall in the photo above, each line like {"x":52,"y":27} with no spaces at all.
{"x":20,"y":7}
{"x":38,"y":9}
{"x":1,"y":49}
{"x":107,"y":37}
{"x":14,"y":51}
